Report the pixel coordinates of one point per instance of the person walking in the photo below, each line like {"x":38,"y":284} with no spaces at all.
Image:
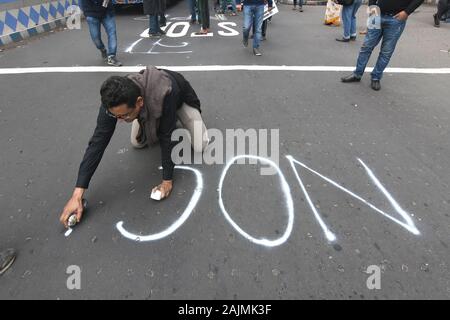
{"x":98,"y":13}
{"x":442,"y":9}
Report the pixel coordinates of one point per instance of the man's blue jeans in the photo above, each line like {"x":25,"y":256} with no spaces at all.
{"x":109,"y":23}
{"x":193,"y":8}
{"x":154,"y":24}
{"x":253,"y":13}
{"x":349,"y":18}
{"x":390,"y":32}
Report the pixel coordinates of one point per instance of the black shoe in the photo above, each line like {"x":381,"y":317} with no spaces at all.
{"x":162,"y":32}
{"x":112,"y":61}
{"x":343,"y":39}
{"x":437,"y":23}
{"x":375,"y":85}
{"x":7,"y":258}
{"x":193,"y":21}
{"x":245,"y":42}
{"x":104,"y":54}
{"x":351,"y":78}
{"x":353,"y":38}
{"x":256,"y":52}
{"x":300,"y":9}
{"x":263,"y":38}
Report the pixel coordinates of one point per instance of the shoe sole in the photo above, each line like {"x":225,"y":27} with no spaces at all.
{"x":7,"y":266}
{"x":353,"y":81}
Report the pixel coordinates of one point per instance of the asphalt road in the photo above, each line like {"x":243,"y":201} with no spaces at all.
{"x":401,"y":133}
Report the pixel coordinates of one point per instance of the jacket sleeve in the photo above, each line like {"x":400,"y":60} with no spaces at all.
{"x":96,"y":147}
{"x":413,"y":6}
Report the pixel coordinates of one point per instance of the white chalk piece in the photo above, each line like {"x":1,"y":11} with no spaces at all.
{"x":68,"y":232}
{"x":156,"y":195}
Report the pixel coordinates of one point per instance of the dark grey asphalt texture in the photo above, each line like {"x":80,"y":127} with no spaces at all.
{"x":401,"y":133}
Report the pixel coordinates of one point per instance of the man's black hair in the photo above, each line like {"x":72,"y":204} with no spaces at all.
{"x":119,"y":90}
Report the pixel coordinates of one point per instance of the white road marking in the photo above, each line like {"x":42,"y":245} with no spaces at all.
{"x":128,"y":69}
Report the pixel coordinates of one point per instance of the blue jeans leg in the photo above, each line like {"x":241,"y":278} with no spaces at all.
{"x":392,"y":30}
{"x":356,"y":6}
{"x":154,"y":24}
{"x":192,"y":9}
{"x":109,"y":23}
{"x":347,"y":20}
{"x":371,"y":40}
{"x":259,"y":15}
{"x":248,"y":20}
{"x":94,"y":30}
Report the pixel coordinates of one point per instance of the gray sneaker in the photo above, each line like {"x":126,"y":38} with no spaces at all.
{"x":256,"y":52}
{"x":112,"y":61}
{"x":7,"y":258}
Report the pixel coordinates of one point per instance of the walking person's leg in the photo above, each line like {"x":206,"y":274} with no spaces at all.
{"x":258,"y":16}
{"x":248,"y":22}
{"x":206,"y":20}
{"x":96,"y":36}
{"x":162,"y":20}
{"x":109,"y":23}
{"x":204,"y":13}
{"x":154,"y":26}
{"x":264,"y":30}
{"x":442,"y":8}
{"x":192,"y":6}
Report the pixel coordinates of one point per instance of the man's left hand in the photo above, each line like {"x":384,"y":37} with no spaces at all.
{"x":402,"y":16}
{"x":165,"y":188}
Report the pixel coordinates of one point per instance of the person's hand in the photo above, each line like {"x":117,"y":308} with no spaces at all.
{"x":402,"y":16}
{"x":74,"y":205}
{"x":270,"y":9}
{"x":165,"y":188}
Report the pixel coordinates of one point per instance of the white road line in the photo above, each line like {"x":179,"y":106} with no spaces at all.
{"x":128,"y":69}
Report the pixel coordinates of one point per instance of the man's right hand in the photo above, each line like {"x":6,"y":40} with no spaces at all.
{"x":74,"y":205}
